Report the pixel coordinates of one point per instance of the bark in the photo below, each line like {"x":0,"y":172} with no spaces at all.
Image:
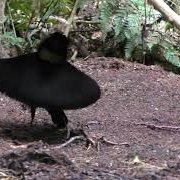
{"x":2,"y":7}
{"x":3,"y":52}
{"x":166,"y":11}
{"x":71,"y":17}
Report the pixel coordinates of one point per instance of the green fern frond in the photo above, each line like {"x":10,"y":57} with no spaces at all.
{"x":131,"y":45}
{"x":107,"y":10}
{"x":172,"y":57}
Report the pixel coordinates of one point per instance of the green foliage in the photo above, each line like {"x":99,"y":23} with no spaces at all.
{"x":121,"y":19}
{"x":12,"y":40}
{"x":30,"y":17}
{"x":136,"y":24}
{"x":172,"y":58}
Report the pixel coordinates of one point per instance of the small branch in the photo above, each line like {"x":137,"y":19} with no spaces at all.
{"x":87,"y":57}
{"x":71,"y":17}
{"x":29,"y":23}
{"x":12,"y":23}
{"x":166,"y":11}
{"x":73,"y":57}
{"x":86,"y":22}
{"x":153,"y":127}
{"x":108,"y":141}
{"x":69,"y":141}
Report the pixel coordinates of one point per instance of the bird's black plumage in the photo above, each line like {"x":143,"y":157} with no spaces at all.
{"x":46,"y":79}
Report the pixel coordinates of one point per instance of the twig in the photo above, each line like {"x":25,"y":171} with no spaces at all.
{"x":71,"y":18}
{"x":12,"y":22}
{"x":153,"y":127}
{"x":87,"y":22}
{"x":108,"y":141}
{"x":74,"y":55}
{"x":87,"y":57}
{"x":69,"y":141}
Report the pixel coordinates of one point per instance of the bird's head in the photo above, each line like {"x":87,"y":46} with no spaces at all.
{"x":54,"y":48}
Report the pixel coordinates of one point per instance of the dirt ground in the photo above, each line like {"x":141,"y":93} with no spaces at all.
{"x":134,"y":130}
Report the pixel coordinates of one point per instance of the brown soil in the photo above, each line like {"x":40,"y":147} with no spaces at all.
{"x":135,"y":127}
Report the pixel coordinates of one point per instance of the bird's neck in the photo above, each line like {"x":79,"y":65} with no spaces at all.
{"x":51,"y":57}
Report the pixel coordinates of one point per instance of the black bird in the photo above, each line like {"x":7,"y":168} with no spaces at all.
{"x":46,"y":79}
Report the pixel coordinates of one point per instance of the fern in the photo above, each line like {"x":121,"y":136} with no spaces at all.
{"x":172,"y":56}
{"x":121,"y":19}
{"x":107,"y":10}
{"x":124,"y":19}
{"x":12,"y":40}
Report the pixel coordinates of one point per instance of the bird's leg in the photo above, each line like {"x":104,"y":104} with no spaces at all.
{"x":58,"y":117}
{"x":33,"y":111}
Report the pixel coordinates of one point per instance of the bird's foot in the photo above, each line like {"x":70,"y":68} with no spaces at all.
{"x":64,"y":130}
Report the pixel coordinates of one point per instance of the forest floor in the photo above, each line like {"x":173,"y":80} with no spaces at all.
{"x":134,"y":130}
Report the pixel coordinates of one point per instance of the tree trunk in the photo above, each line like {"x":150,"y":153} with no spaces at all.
{"x":3,"y":52}
{"x":2,"y":7}
{"x":166,"y":11}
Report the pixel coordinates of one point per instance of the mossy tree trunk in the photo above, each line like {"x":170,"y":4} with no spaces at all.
{"x":3,"y":51}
